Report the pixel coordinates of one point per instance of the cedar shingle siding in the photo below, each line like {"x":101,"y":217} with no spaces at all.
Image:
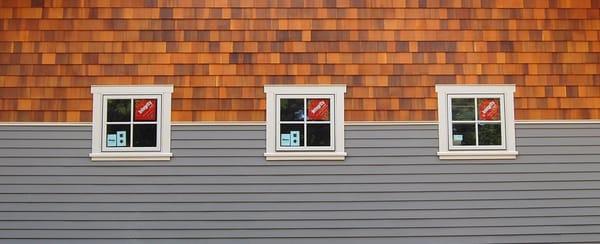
{"x":219,"y":54}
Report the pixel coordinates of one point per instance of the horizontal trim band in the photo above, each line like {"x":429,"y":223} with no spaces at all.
{"x":176,"y":123}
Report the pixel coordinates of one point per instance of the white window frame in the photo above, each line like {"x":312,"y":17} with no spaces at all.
{"x":446,"y":148}
{"x":274,"y":94}
{"x":306,"y":122}
{"x":102,"y":93}
{"x":131,"y":148}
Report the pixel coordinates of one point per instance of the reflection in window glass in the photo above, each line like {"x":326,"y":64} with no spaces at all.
{"x":318,"y":134}
{"x":490,"y":134}
{"x":118,"y":110}
{"x":292,"y":110}
{"x":463,"y":134}
{"x":463,"y":109}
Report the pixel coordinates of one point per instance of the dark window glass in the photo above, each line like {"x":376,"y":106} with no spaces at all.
{"x":318,"y":135}
{"x":118,"y":110}
{"x":292,"y":110}
{"x":488,"y":108}
{"x":318,"y":109}
{"x":144,"y":135}
{"x":463,"y":134}
{"x":291,"y":135}
{"x":117,"y":135}
{"x":463,"y":109}
{"x":490,"y":134}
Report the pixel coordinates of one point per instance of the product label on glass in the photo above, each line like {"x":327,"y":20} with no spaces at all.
{"x":121,"y":138}
{"x":489,"y":109}
{"x":318,"y":109}
{"x":145,"y":110}
{"x":295,"y":138}
{"x":111,"y":140}
{"x":290,"y":140}
{"x":285,"y":140}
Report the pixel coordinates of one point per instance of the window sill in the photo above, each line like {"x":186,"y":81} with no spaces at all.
{"x":305,"y":156}
{"x":453,"y":155}
{"x":131,"y":156}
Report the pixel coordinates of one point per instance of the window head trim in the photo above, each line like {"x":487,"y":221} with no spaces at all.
{"x":163,"y":120}
{"x":446,"y":151}
{"x":336,"y":93}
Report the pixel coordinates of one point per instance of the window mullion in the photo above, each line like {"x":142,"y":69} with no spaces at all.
{"x":131,"y":123}
{"x":305,"y":124}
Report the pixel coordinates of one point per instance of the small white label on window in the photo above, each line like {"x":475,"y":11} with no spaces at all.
{"x":458,"y":138}
{"x":111,"y":140}
{"x":285,"y":140}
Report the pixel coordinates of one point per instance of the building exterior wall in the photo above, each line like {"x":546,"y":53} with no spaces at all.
{"x":219,"y":54}
{"x":218,"y":188}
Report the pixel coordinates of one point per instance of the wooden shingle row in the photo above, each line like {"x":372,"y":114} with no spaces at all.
{"x":220,"y":54}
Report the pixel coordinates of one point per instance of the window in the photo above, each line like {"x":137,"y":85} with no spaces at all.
{"x":305,"y":122}
{"x":131,"y":122}
{"x":476,"y":122}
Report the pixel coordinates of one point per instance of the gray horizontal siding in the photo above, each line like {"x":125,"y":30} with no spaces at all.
{"x":219,"y":189}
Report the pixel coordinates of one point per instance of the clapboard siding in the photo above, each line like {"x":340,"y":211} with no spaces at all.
{"x":219,"y":189}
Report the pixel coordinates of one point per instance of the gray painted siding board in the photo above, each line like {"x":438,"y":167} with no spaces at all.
{"x":310,"y":215}
{"x":297,"y":233}
{"x":297,"y":205}
{"x":304,"y":179}
{"x":218,"y":185}
{"x":307,"y":187}
{"x":313,"y":196}
{"x":548,"y":238}
{"x":339,"y":169}
{"x":258,"y":160}
{"x":287,"y":224}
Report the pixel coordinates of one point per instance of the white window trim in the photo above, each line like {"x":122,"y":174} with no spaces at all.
{"x":337,"y":114}
{"x":163,"y":119}
{"x":508,"y":150}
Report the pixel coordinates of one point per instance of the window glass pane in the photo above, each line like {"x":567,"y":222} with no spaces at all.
{"x":117,"y":135}
{"x":291,"y":135}
{"x":118,"y":110}
{"x":145,"y":109}
{"x":489,"y":108}
{"x":318,"y":135}
{"x":463,"y":134}
{"x":318,"y":109}
{"x":463,"y":109}
{"x":490,"y":134}
{"x":144,"y":135}
{"x":292,"y":110}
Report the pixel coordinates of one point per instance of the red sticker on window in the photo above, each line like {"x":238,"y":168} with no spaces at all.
{"x":489,"y":109}
{"x":145,"y":110}
{"x":318,"y":109}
